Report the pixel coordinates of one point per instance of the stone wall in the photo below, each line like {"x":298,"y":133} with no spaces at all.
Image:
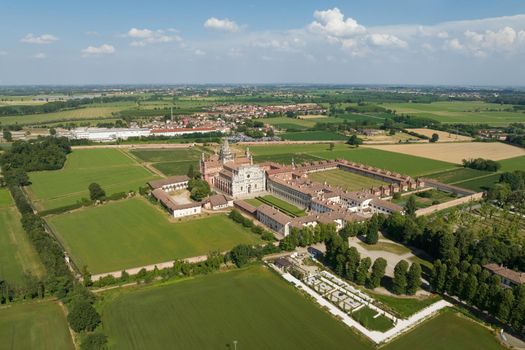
{"x":463,"y":200}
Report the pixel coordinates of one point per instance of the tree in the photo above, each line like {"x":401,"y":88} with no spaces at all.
{"x":399,"y":284}
{"x":354,"y":141}
{"x":411,"y":206}
{"x":96,"y":192}
{"x":332,"y":146}
{"x":470,"y":287}
{"x":241,"y":254}
{"x":378,"y":271}
{"x":372,"y":236}
{"x":413,"y":279}
{"x":191,"y":172}
{"x":434,"y":138}
{"x":6,"y":134}
{"x":52,"y":132}
{"x":94,"y":341}
{"x":362,"y":271}
{"x":83,"y":316}
{"x":504,"y":302}
{"x":352,"y":262}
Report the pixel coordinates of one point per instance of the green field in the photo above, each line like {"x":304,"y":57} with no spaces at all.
{"x":484,"y":183}
{"x":259,"y":310}
{"x":170,"y":161}
{"x":39,"y":325}
{"x":404,"y":164}
{"x":345,"y":179}
{"x":436,"y":197}
{"x":280,"y":204}
{"x":111,"y":168}
{"x":17,"y":257}
{"x":468,"y":112}
{"x":458,"y":175}
{"x":133,"y":232}
{"x":94,"y":111}
{"x":511,"y":164}
{"x":366,"y":317}
{"x":313,"y":136}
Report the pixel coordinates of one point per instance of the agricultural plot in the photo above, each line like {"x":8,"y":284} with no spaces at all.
{"x":512,"y":164}
{"x":96,"y":111}
{"x":443,"y":135}
{"x":18,"y":257}
{"x":313,"y":136}
{"x":170,"y":161}
{"x":39,"y":325}
{"x":111,"y":168}
{"x":289,"y":123}
{"x":132,"y":232}
{"x":458,"y":175}
{"x":252,"y":306}
{"x":345,"y":179}
{"x":478,"y":184}
{"x":456,"y":152}
{"x":207,"y":313}
{"x":468,"y":112}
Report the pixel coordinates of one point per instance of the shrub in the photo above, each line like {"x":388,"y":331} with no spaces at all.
{"x":83,"y":316}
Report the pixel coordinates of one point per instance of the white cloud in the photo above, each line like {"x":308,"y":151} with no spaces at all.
{"x":3,"y":53}
{"x":104,"y":49}
{"x":454,"y":44}
{"x":387,"y":40}
{"x":199,"y":52}
{"x":225,"y":24}
{"x":143,"y":37}
{"x":331,"y":22}
{"x":39,"y":39}
{"x":40,"y":56}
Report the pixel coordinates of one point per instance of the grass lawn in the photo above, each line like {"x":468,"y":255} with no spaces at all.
{"x":366,"y":317}
{"x":398,"y":162}
{"x":289,"y":123}
{"x":133,"y":232}
{"x":167,"y":155}
{"x":480,"y":184}
{"x":345,"y":179}
{"x":511,"y":164}
{"x":314,"y":136}
{"x":17,"y":257}
{"x":111,"y":168}
{"x":176,"y":168}
{"x":280,"y":204}
{"x":253,"y":306}
{"x":403,"y":307}
{"x":467,"y":112}
{"x":39,"y":325}
{"x":386,"y":246}
{"x":447,"y":331}
{"x":435,"y":197}
{"x":458,"y":175}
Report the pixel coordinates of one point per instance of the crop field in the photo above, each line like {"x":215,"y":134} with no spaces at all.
{"x":132,"y":232}
{"x":398,"y":162}
{"x":458,"y":175}
{"x":345,"y":179}
{"x":18,"y":256}
{"x":386,"y":138}
{"x":471,"y":112}
{"x":481,"y":183}
{"x":170,"y":161}
{"x":253,"y":306}
{"x":512,"y":164}
{"x":443,"y":135}
{"x":90,"y":112}
{"x":39,"y":325}
{"x":207,"y":313}
{"x":111,"y":168}
{"x":313,"y":136}
{"x":299,"y":124}
{"x":456,"y":152}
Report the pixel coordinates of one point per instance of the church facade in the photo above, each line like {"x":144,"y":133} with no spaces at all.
{"x":235,"y":176}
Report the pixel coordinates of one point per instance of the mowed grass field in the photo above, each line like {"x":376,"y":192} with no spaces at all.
{"x":278,"y":203}
{"x":261,"y":311}
{"x":39,"y":325}
{"x":345,"y":179}
{"x":468,"y":112}
{"x":132,"y":233}
{"x":170,"y":161}
{"x":111,"y":168}
{"x":398,"y":162}
{"x":17,"y":255}
{"x":313,"y":136}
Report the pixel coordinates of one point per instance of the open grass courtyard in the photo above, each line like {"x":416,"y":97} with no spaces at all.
{"x":345,"y":179}
{"x":132,"y":232}
{"x":259,"y":310}
{"x":39,"y":325}
{"x":111,"y":168}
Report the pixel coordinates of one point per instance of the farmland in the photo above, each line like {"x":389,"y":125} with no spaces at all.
{"x":206,"y":311}
{"x":443,"y":136}
{"x":404,"y":164}
{"x":18,"y":256}
{"x":40,"y":325}
{"x":458,"y":175}
{"x":313,"y":136}
{"x":471,"y":112}
{"x":345,"y":179}
{"x":112,"y":169}
{"x":170,"y":161}
{"x":132,"y":232}
{"x":456,"y":152}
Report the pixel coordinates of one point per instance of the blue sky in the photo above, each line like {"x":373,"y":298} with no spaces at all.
{"x":379,"y":41}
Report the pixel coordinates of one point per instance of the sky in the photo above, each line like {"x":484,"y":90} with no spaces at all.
{"x":437,"y":42}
